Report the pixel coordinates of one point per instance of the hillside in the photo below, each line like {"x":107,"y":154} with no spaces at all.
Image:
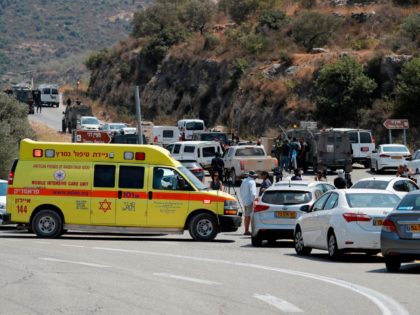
{"x":47,"y":38}
{"x":254,"y":65}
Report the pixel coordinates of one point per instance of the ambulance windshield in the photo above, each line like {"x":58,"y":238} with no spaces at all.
{"x":193,"y":179}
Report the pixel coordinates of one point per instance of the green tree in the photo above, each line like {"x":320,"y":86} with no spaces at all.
{"x":273,"y":20}
{"x":239,"y":10}
{"x":410,"y":27}
{"x":198,"y":14}
{"x":407,"y":92}
{"x":341,"y":89}
{"x":14,"y":126}
{"x":314,"y":29}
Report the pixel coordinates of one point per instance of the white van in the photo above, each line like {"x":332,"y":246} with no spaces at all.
{"x":362,"y":145}
{"x":49,"y":95}
{"x":201,"y":151}
{"x":188,"y":127}
{"x":165,"y":135}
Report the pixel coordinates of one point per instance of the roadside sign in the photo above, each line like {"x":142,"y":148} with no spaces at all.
{"x":308,"y":124}
{"x":87,"y":136}
{"x":396,"y":124}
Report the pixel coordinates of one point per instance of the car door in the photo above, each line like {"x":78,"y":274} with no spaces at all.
{"x":324,"y":219}
{"x":131,"y":208}
{"x":309,"y":222}
{"x":103,"y":201}
{"x":168,"y":198}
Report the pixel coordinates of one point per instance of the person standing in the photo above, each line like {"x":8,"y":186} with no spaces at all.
{"x":285,"y":156}
{"x":217,"y":164}
{"x":294,"y":151}
{"x":265,"y":183}
{"x":301,"y":158}
{"x":216,"y":183}
{"x":36,"y":95}
{"x":248,"y":192}
{"x":340,"y":181}
{"x":298,"y":174}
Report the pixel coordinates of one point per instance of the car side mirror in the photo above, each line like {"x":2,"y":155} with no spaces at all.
{"x":305,"y":208}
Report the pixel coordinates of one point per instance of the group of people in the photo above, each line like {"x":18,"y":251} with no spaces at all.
{"x":291,"y":155}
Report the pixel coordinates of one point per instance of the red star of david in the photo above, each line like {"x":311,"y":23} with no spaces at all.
{"x":105,"y":205}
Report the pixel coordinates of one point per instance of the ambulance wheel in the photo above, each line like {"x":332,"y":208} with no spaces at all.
{"x":203,"y":227}
{"x":47,"y":224}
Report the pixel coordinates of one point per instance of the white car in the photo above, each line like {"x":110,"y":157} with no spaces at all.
{"x":414,"y":163}
{"x":397,"y":185}
{"x":276,"y":210}
{"x":3,"y":194}
{"x":344,"y":220}
{"x":389,"y":156}
{"x":89,"y":123}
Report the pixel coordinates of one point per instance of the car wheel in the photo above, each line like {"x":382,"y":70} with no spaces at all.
{"x":256,"y":241}
{"x":333,"y":251}
{"x":47,"y":224}
{"x":300,"y":247}
{"x":203,"y":227}
{"x":392,"y":264}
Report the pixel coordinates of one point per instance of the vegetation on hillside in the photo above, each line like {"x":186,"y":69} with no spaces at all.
{"x":267,"y":61}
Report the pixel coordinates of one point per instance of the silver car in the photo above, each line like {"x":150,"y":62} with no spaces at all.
{"x":276,"y":211}
{"x":400,"y":235}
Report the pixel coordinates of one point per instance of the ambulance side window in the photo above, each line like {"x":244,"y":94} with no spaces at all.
{"x":104,"y":176}
{"x":168,"y":179}
{"x":131,"y":177}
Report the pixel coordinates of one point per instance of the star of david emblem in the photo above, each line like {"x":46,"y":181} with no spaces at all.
{"x":105,"y":205}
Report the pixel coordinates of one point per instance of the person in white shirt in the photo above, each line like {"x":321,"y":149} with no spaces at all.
{"x":248,"y":191}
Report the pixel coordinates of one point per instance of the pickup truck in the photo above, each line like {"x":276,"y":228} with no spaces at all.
{"x":239,"y":160}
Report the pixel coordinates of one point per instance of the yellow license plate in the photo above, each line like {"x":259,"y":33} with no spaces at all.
{"x":414,"y":228}
{"x":396,"y":157}
{"x":378,"y":222}
{"x":286,"y":214}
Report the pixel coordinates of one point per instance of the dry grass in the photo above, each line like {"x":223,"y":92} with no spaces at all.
{"x":44,"y":133}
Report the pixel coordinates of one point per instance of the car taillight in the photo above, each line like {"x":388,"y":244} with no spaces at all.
{"x":259,"y":207}
{"x":384,"y":155}
{"x":11,"y":178}
{"x":242,"y":165}
{"x":388,"y":226}
{"x":356,"y":217}
{"x":155,"y":140}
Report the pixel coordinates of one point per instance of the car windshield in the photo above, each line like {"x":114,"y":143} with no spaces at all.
{"x":192,"y":178}
{"x":395,"y":149}
{"x":374,"y":200}
{"x":90,"y":121}
{"x":3,"y":189}
{"x":214,"y":137}
{"x":410,"y":202}
{"x":371,"y":184}
{"x":250,"y":152}
{"x":279,"y":197}
{"x":195,"y":125}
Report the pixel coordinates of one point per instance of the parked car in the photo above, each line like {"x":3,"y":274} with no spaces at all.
{"x":165,"y":135}
{"x":89,"y":123}
{"x":113,"y":127}
{"x":345,"y":220}
{"x":397,"y":185}
{"x":194,"y":167}
{"x":362,"y":145}
{"x":400,"y":236}
{"x":201,"y":151}
{"x":188,"y":127}
{"x":414,"y":163}
{"x":388,"y":157}
{"x":3,"y":194}
{"x":239,"y":160}
{"x":49,"y":95}
{"x":276,"y":211}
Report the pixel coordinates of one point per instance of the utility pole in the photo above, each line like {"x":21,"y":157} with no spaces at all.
{"x":138,"y":115}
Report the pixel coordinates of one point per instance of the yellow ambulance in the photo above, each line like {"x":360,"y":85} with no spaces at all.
{"x":55,"y":187}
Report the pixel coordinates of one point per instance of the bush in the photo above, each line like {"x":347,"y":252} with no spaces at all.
{"x":341,"y":89}
{"x":408,"y":92}
{"x":273,"y":20}
{"x":314,"y":29}
{"x":241,"y":66}
{"x":362,"y":43}
{"x":211,"y":42}
{"x":307,"y":4}
{"x":198,"y":13}
{"x":410,"y":27}
{"x":254,"y":43}
{"x":95,"y":59}
{"x":14,"y":127}
{"x":239,"y":10}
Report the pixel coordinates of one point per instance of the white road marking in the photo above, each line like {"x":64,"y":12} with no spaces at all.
{"x":386,"y":304}
{"x":278,"y":303}
{"x":201,"y":281}
{"x":74,"y":262}
{"x":70,"y":245}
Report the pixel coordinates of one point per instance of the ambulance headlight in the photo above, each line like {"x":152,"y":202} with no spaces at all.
{"x":231,"y":207}
{"x":49,"y":153}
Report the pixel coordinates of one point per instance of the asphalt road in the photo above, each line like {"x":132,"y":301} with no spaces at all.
{"x":50,"y":116}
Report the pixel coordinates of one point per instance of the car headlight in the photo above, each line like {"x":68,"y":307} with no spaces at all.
{"x":231,"y":207}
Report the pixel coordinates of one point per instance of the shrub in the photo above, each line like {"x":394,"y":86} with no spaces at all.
{"x":239,"y":10}
{"x":410,"y":27}
{"x":198,"y":13}
{"x":211,"y":42}
{"x":314,"y":29}
{"x":241,"y":66}
{"x":96,"y":59}
{"x":307,"y":4}
{"x":408,"y":92}
{"x":254,"y":43}
{"x":273,"y":20}
{"x":362,"y":43}
{"x":341,"y":89}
